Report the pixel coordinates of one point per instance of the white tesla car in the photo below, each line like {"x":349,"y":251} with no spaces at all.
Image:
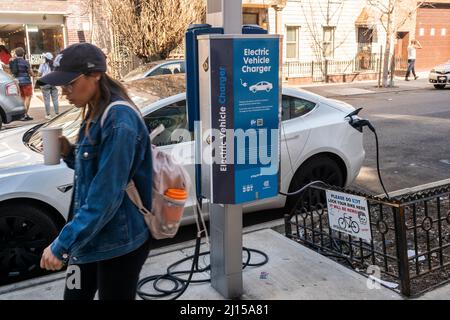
{"x":317,"y":143}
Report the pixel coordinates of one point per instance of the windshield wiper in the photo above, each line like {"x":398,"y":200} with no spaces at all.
{"x":27,"y":135}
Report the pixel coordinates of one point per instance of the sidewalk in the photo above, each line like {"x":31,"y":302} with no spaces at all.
{"x":37,"y":110}
{"x":336,"y":90}
{"x":293,"y":272}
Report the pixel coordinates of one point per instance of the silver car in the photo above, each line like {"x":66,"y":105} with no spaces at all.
{"x":440,"y":75}
{"x":11,"y":104}
{"x":156,"y":68}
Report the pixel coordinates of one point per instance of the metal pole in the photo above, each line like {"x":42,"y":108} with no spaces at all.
{"x":402,"y":250}
{"x":226,"y":220}
{"x":379,"y":66}
{"x":392,"y":69}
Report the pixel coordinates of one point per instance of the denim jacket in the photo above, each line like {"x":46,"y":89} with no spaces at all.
{"x":106,"y":224}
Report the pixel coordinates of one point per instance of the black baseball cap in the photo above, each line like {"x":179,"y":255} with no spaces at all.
{"x":73,"y":61}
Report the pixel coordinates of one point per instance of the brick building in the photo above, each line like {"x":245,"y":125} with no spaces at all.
{"x":42,"y":25}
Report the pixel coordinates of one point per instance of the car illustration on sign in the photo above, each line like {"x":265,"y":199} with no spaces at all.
{"x":261,"y":86}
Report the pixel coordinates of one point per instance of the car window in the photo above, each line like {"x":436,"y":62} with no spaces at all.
{"x":171,"y":68}
{"x":294,"y":107}
{"x":173,"y":117}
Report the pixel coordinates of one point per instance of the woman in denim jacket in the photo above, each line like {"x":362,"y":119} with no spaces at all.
{"x":106,"y":240}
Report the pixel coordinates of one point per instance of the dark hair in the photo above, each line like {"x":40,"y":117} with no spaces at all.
{"x":109,"y":87}
{"x":3,"y":48}
{"x":20,"y":52}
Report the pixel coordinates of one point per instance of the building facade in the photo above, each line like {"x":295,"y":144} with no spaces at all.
{"x":42,"y":26}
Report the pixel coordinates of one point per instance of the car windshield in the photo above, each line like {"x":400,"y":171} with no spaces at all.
{"x":143,"y":93}
{"x":139,"y":72}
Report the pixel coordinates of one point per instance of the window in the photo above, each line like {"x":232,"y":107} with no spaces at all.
{"x":293,"y":107}
{"x":292,"y":42}
{"x":432,"y":32}
{"x":171,"y":68}
{"x":443,"y":32}
{"x":421,"y":32}
{"x":250,"y":18}
{"x":173,"y":117}
{"x":328,"y":42}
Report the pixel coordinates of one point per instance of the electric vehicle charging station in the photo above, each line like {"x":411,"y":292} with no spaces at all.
{"x":233,"y":94}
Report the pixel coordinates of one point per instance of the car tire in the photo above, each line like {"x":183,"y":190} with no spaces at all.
{"x":25,"y":231}
{"x":318,"y":168}
{"x":439,"y":86}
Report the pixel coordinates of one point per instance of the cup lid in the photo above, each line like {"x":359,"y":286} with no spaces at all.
{"x":177,"y":194}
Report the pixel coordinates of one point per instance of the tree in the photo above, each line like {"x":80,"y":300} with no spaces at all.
{"x":393,"y":14}
{"x":152,"y":29}
{"x":322,"y":19}
{"x":147,"y":29}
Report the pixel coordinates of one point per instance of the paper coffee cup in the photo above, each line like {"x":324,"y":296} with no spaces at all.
{"x":52,"y":147}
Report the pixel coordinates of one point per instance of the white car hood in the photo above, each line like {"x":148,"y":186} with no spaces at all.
{"x":444,"y":68}
{"x":14,"y":153}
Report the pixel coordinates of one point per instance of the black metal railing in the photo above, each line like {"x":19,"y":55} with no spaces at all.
{"x":410,"y":243}
{"x":319,"y":70}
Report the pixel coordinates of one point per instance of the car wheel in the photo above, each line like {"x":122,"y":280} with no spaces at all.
{"x":439,"y":86}
{"x":320,"y":168}
{"x":25,"y":232}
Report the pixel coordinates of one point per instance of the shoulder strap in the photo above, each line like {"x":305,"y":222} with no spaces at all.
{"x":131,"y":189}
{"x":116,"y":103}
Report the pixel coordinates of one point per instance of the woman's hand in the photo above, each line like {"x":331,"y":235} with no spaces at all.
{"x":65,"y":145}
{"x":49,"y":261}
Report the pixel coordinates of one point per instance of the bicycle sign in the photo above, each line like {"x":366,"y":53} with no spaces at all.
{"x":348,"y":214}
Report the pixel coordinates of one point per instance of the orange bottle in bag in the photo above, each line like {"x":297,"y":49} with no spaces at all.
{"x":175,"y":199}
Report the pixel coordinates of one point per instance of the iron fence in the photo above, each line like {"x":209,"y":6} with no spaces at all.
{"x":319,"y":70}
{"x":410,"y":243}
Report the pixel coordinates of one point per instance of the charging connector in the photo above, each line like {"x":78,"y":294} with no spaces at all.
{"x":359,"y":123}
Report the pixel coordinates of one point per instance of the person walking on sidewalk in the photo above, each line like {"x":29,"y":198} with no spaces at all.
{"x":21,"y":70}
{"x":48,"y":90}
{"x":415,"y":44}
{"x":106,"y":240}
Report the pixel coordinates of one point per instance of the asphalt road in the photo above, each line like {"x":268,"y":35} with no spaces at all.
{"x":413,"y":129}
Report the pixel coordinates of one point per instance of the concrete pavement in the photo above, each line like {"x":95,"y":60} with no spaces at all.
{"x":37,"y":110}
{"x":293,"y":272}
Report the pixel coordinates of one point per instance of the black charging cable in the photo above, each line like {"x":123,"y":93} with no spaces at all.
{"x":359,"y":124}
{"x":181,"y":284}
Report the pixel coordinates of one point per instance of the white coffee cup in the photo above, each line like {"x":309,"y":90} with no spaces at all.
{"x":52,"y":146}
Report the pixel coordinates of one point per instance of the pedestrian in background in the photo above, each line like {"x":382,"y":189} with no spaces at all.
{"x":106,"y":238}
{"x":21,"y":70}
{"x":48,"y":90}
{"x":415,"y":44}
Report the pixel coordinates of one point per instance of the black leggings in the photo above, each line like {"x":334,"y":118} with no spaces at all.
{"x":115,"y":279}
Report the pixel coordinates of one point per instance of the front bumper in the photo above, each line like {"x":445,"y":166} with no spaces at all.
{"x":435,"y":78}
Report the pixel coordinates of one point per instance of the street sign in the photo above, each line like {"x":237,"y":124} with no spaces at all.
{"x":349,"y":214}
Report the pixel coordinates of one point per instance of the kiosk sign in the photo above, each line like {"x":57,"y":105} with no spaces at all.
{"x":349,"y":214}
{"x":242,"y":109}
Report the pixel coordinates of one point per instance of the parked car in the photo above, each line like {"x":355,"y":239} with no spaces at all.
{"x":317,"y":143}
{"x":11,"y":104}
{"x":440,"y":76}
{"x":156,"y":68}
